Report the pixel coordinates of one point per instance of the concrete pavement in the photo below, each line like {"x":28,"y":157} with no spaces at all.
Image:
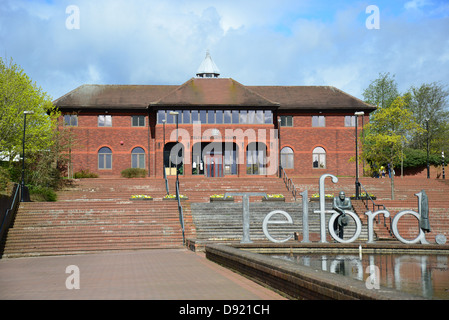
{"x":162,"y":274}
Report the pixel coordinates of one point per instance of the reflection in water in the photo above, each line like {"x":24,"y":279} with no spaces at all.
{"x":424,"y":275}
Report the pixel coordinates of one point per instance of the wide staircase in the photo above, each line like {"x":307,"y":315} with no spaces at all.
{"x":97,"y":215}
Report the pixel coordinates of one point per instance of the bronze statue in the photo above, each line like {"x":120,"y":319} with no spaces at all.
{"x":340,"y":204}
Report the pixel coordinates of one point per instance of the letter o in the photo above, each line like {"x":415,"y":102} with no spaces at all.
{"x":358,"y":224}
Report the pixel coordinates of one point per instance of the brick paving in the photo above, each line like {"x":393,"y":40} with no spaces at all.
{"x":161,"y":274}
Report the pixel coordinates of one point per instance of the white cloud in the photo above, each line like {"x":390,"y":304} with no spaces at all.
{"x":255,"y":42}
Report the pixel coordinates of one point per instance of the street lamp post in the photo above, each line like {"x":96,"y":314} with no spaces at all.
{"x":174,"y":113}
{"x":22,"y":198}
{"x":428,"y":166}
{"x":357,"y":183}
{"x":279,"y":148}
{"x":442,"y":155}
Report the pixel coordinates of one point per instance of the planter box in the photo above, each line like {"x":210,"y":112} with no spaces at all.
{"x":221,"y":199}
{"x":141,"y":199}
{"x":326,"y":199}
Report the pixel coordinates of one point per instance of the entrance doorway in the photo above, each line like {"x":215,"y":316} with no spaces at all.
{"x":214,"y":165}
{"x":214,"y":159}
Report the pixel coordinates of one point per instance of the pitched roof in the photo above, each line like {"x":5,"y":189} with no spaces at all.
{"x":214,"y":92}
{"x":311,"y":97}
{"x":112,"y":96}
{"x":210,"y":92}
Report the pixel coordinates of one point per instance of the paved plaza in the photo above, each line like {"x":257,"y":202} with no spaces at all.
{"x":162,"y":274}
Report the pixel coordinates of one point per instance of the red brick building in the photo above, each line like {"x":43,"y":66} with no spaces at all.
{"x":224,"y":127}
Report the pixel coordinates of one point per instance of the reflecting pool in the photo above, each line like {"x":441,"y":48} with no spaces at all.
{"x":424,"y":275}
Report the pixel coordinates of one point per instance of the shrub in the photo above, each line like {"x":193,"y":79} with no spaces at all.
{"x":42,"y":193}
{"x":85,"y":174}
{"x":4,"y":179}
{"x":134,"y":173}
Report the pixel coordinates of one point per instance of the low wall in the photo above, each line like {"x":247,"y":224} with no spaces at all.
{"x":295,"y":281}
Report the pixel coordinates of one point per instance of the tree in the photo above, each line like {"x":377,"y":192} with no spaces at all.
{"x":43,"y":141}
{"x":386,"y":134}
{"x":382,"y":91}
{"x":429,"y":103}
{"x":17,"y":94}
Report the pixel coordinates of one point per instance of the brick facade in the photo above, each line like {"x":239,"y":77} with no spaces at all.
{"x":120,"y":103}
{"x":337,"y":140}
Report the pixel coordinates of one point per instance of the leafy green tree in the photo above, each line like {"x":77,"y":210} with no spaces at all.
{"x":386,"y":134}
{"x":18,"y":94}
{"x":43,"y":141}
{"x":429,"y":102}
{"x":382,"y":91}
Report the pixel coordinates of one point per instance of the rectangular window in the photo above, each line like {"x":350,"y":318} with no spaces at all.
{"x":160,"y":116}
{"x":138,"y":161}
{"x":219,"y":116}
{"x":194,"y":116}
{"x":203,"y":116}
{"x":170,"y":118}
{"x":251,"y":117}
{"x":286,"y":121}
{"x":179,"y":116}
{"x":70,"y":120}
{"x":186,"y":116}
{"x":268,"y":117}
{"x":227,"y":117}
{"x":349,"y":121}
{"x":104,"y":121}
{"x":243,"y":117}
{"x":211,"y":116}
{"x":105,"y":161}
{"x":259,"y":117}
{"x":318,"y":121}
{"x":138,"y":121}
{"x":235,"y":116}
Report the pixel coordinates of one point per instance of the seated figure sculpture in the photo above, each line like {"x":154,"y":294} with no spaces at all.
{"x":340,"y":204}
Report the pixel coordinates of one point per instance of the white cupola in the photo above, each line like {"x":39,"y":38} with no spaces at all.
{"x":208,"y":69}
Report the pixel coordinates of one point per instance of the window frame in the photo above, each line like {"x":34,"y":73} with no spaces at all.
{"x":320,"y":121}
{"x":139,"y":118}
{"x":103,"y":155}
{"x":105,"y":117}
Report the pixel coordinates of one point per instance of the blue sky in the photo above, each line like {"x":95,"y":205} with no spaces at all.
{"x":287,"y":42}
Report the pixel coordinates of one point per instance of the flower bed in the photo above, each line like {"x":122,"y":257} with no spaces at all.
{"x":274,"y":197}
{"x":140,"y":197}
{"x":316,"y":197}
{"x":220,"y":197}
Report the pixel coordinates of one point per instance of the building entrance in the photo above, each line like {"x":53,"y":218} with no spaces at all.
{"x":213,"y":159}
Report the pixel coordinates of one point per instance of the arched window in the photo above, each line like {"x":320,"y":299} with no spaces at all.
{"x":287,"y":158}
{"x":138,"y":158}
{"x":105,"y":158}
{"x":319,"y":158}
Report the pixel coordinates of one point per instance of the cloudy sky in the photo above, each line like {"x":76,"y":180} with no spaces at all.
{"x":64,"y":44}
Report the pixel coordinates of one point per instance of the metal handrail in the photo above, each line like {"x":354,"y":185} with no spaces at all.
{"x":288,"y":182}
{"x":11,"y":212}
{"x":181,"y":214}
{"x":374,"y":207}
